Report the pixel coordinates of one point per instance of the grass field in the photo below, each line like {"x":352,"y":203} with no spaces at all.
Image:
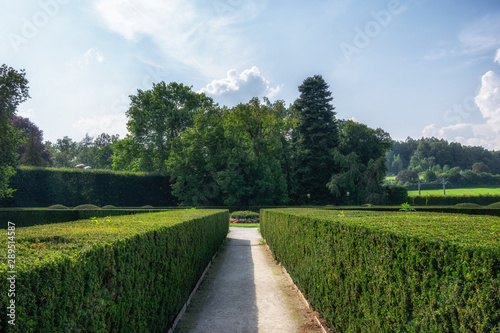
{"x":245,"y":225}
{"x":460,"y":191}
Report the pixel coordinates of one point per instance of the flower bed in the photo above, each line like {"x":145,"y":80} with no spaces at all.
{"x":244,"y":217}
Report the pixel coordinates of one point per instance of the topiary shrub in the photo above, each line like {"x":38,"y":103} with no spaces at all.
{"x":467,"y":205}
{"x":494,"y":205}
{"x":86,"y":207}
{"x":57,"y":207}
{"x":108,"y":207}
{"x":147,"y":207}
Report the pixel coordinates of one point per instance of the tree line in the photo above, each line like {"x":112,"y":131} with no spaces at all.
{"x":256,"y":153}
{"x":431,"y":160}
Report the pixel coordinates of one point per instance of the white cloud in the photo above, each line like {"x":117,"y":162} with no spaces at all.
{"x":241,"y":87}
{"x":497,"y":57}
{"x":486,"y":134}
{"x":187,"y":32}
{"x":94,"y":126}
{"x":488,"y":99}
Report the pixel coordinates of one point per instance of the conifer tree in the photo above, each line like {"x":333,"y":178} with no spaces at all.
{"x":315,"y":139}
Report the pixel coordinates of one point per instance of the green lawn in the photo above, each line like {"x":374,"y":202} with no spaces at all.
{"x":245,"y":225}
{"x":460,"y":191}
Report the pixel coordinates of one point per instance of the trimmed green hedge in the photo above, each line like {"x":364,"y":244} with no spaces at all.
{"x":442,"y":200}
{"x":43,"y":187}
{"x":392,"y":272}
{"x":123,"y":274}
{"x":26,"y":217}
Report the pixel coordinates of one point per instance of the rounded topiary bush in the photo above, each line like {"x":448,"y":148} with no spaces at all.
{"x":57,"y":207}
{"x":108,"y":207}
{"x":86,"y":207}
{"x":467,"y":205}
{"x":147,"y":207}
{"x":494,"y":205}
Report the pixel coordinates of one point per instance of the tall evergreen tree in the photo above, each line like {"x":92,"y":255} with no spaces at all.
{"x":315,"y":139}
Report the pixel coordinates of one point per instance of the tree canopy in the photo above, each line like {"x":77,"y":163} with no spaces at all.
{"x":156,"y":117}
{"x":13,"y":91}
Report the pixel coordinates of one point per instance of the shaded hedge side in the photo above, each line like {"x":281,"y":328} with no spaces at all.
{"x":392,"y":272}
{"x":129,"y":274}
{"x":43,"y":187}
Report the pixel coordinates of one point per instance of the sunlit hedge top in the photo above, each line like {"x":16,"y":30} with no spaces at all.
{"x":43,"y":243}
{"x":457,"y":229}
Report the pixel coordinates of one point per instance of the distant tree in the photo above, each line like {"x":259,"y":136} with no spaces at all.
{"x":407,"y":176}
{"x":13,"y":91}
{"x":430,"y":176}
{"x":315,"y":139}
{"x":33,"y":152}
{"x":480,"y":167}
{"x":64,"y":152}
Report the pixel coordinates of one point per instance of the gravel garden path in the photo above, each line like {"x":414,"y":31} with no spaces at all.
{"x":245,"y":290}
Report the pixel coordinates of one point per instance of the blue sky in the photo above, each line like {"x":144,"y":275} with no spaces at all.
{"x":411,"y":67}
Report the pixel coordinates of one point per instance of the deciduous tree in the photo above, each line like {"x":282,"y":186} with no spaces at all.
{"x":13,"y":91}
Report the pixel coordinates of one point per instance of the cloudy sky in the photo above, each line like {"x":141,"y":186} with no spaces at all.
{"x":412,"y":67}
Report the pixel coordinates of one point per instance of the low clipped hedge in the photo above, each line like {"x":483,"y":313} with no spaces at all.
{"x":120,"y":274}
{"x":392,"y":271}
{"x":26,"y":217}
{"x":443,"y":200}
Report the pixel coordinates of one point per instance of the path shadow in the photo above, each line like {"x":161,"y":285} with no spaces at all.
{"x":226,"y":299}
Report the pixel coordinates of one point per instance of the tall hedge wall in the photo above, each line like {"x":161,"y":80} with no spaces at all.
{"x":392,"y":272}
{"x":42,"y":187}
{"x":127,"y":274}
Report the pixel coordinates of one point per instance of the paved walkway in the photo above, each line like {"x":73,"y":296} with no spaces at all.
{"x":246,"y":291}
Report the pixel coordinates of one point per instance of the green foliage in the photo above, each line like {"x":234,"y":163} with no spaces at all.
{"x":396,"y":195}
{"x":392,"y":272}
{"x":405,"y":207}
{"x":407,"y":176}
{"x":39,"y":187}
{"x":231,"y":157}
{"x":58,"y":206}
{"x":156,"y":117}
{"x":442,"y":200}
{"x":13,"y":91}
{"x":86,"y":207}
{"x":244,"y":215}
{"x":33,"y":152}
{"x":315,"y":139}
{"x":127,"y":274}
{"x":363,"y":182}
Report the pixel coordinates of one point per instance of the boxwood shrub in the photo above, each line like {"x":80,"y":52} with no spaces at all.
{"x":120,"y":274}
{"x":392,"y":271}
